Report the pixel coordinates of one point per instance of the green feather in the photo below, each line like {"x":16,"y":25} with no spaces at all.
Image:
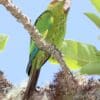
{"x":51,"y":24}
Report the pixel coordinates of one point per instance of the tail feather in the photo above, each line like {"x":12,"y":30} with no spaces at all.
{"x":28,"y":69}
{"x":32,"y":56}
{"x":34,"y":72}
{"x":31,"y":84}
{"x":33,"y":79}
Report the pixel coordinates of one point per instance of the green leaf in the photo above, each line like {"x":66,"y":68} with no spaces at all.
{"x":3,"y":41}
{"x":77,"y":55}
{"x":91,"y":68}
{"x":96,"y":3}
{"x":94,"y":18}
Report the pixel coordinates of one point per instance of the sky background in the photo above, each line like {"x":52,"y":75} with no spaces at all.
{"x":14,"y":59}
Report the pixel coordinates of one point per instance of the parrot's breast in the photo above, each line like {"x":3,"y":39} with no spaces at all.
{"x":57,"y":32}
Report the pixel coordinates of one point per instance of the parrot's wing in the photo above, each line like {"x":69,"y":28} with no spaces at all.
{"x":43,"y":23}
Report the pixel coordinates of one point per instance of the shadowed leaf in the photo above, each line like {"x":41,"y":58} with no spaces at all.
{"x":94,"y":18}
{"x":77,"y":55}
{"x":91,"y":68}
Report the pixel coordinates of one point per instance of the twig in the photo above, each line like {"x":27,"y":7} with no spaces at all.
{"x":34,"y":33}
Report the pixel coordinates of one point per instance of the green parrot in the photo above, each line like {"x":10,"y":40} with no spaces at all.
{"x":52,"y":25}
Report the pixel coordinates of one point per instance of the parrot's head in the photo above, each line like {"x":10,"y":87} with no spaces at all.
{"x":61,"y":4}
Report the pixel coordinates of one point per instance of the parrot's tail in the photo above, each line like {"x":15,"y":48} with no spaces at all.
{"x":34,"y":70}
{"x":28,"y":69}
{"x":31,"y":84}
{"x":34,"y":74}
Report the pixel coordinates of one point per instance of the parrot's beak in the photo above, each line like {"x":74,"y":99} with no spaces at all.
{"x":53,"y":1}
{"x":67,"y":4}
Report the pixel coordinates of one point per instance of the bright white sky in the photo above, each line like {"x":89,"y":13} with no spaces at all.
{"x":14,"y":59}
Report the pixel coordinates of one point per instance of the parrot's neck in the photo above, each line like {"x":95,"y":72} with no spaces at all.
{"x":61,"y":4}
{"x":56,"y":5}
{"x":57,"y":11}
{"x":59,"y":25}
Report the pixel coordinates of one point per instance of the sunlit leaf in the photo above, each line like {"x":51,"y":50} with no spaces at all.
{"x":96,"y":3}
{"x":77,"y":55}
{"x":94,"y":18}
{"x":3,"y":41}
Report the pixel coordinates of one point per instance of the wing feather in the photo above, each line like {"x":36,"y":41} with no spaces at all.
{"x":43,"y":23}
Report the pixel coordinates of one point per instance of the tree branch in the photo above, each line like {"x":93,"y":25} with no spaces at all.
{"x":36,"y":36}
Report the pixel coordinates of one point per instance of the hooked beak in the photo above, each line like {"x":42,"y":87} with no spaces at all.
{"x":67,"y":4}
